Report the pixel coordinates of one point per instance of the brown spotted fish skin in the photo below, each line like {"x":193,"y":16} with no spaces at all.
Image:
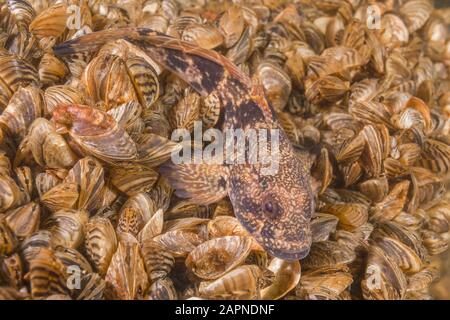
{"x":276,"y":209}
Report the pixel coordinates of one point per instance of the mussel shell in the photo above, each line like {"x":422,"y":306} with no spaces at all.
{"x":88,"y":174}
{"x":126,"y":273}
{"x":213,"y":258}
{"x":327,"y":254}
{"x":46,"y":275}
{"x":100,"y":243}
{"x":96,"y":132}
{"x":12,"y":270}
{"x":8,"y":240}
{"x":67,"y":227}
{"x":158,"y":261}
{"x":162,"y":289}
{"x":25,"y":220}
{"x":287,"y":276}
{"x":240,"y":283}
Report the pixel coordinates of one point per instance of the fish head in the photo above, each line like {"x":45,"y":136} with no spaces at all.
{"x":275,"y":209}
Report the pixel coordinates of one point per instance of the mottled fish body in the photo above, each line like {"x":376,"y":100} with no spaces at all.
{"x":275,"y":209}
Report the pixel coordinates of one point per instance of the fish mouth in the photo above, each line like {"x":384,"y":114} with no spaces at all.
{"x":290,"y":244}
{"x":288,"y":249}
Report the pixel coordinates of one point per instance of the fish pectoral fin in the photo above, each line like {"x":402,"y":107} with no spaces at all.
{"x":201,"y":183}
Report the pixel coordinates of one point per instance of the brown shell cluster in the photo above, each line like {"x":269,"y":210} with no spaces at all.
{"x":84,"y":213}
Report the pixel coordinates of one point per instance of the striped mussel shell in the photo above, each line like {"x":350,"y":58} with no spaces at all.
{"x":360,"y":89}
{"x":96,"y":133}
{"x":100,"y":243}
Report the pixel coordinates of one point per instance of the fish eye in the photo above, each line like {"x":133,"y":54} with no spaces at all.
{"x":270,"y":208}
{"x":263,"y":184}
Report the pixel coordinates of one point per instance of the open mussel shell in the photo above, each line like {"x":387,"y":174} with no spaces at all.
{"x":179,"y":242}
{"x":286,"y":277}
{"x":215,"y":257}
{"x":96,"y":133}
{"x":205,"y":36}
{"x":238,"y":284}
{"x":224,"y":225}
{"x":276,"y":83}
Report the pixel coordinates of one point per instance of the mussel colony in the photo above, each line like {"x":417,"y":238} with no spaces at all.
{"x":81,"y":140}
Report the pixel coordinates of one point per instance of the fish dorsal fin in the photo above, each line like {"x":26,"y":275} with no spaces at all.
{"x":203,"y":69}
